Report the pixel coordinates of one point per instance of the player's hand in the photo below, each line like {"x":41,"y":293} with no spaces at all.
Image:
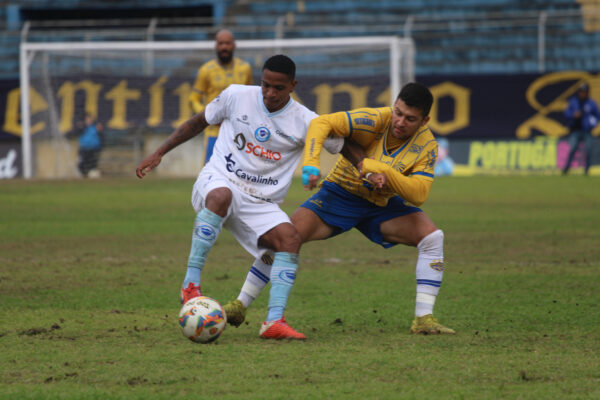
{"x":310,"y":177}
{"x":148,"y":164}
{"x":378,"y":180}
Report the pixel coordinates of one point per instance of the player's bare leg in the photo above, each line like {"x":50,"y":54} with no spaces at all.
{"x":418,"y":230}
{"x":310,"y":226}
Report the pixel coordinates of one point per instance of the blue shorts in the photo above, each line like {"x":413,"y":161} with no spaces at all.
{"x":343,"y":211}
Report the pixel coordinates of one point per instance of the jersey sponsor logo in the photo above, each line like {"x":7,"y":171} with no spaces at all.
{"x":243,"y":121}
{"x":261,"y":152}
{"x":255,"y":149}
{"x":230,"y":163}
{"x":415,"y":148}
{"x":437,"y":265}
{"x":262,"y":134}
{"x":288,"y":276}
{"x":263,"y":180}
{"x":240,"y":173}
{"x":204,"y":232}
{"x":312,"y":147}
{"x":240,"y":141}
{"x":287,"y":137}
{"x":364,"y":121}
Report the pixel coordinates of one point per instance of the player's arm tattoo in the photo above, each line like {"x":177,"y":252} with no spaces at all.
{"x":187,"y":130}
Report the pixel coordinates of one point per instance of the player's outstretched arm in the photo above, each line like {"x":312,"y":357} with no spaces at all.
{"x":319,"y":130}
{"x":183,"y":133}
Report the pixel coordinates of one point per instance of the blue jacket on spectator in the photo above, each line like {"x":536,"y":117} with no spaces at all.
{"x":90,"y":138}
{"x":589,"y":110}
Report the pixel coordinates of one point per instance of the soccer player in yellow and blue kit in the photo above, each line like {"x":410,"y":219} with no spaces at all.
{"x":380,"y":197}
{"x":215,"y":76}
{"x":377,"y":193}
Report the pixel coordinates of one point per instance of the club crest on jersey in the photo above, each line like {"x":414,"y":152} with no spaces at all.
{"x":437,"y":265}
{"x":205,"y":232}
{"x":262,"y":134}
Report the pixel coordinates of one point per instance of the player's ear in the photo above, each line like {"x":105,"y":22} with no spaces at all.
{"x":294,"y":82}
{"x":425,"y":120}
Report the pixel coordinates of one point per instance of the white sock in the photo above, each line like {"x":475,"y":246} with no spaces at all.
{"x":256,"y":280}
{"x":429,"y":271}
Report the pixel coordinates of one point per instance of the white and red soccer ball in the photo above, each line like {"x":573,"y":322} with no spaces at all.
{"x":202,"y":319}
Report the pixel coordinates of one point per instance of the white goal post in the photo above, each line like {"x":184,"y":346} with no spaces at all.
{"x":35,"y":64}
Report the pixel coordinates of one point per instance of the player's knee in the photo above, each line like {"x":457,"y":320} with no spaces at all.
{"x":219,"y":200}
{"x":282,"y":238}
{"x":289,"y":240}
{"x":291,"y":243}
{"x":432,"y":243}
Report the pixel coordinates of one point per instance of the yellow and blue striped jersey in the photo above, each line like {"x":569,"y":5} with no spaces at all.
{"x":408,"y":165}
{"x":213,"y":78}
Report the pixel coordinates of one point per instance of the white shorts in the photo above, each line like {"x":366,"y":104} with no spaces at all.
{"x":247,"y":218}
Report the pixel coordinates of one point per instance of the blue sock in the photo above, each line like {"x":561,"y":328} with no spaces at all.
{"x":206,"y":230}
{"x":283,"y":274}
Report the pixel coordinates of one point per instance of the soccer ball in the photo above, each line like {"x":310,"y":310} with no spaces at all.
{"x":202,"y":319}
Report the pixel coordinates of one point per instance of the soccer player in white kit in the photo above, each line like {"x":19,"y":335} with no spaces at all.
{"x":260,"y":142}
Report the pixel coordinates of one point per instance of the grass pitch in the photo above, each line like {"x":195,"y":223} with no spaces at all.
{"x":90,"y":273}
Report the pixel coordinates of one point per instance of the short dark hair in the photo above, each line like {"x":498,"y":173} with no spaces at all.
{"x":281,"y":63}
{"x":417,"y":95}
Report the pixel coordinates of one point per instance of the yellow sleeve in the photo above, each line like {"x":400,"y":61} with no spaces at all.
{"x":199,"y":91}
{"x":318,"y":130}
{"x":413,"y":188}
{"x":249,"y":80}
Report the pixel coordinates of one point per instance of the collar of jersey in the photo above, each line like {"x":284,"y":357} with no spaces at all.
{"x":273,"y":114}
{"x":394,"y":154}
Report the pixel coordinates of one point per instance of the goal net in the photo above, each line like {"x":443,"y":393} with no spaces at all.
{"x":138,"y":92}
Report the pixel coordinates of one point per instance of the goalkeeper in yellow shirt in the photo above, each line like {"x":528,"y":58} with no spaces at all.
{"x":384,"y":174}
{"x":215,"y":76}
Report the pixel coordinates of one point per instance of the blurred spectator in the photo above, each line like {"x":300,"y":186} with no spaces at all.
{"x":90,"y":145}
{"x":583,"y":115}
{"x":215,"y":76}
{"x":444,"y":165}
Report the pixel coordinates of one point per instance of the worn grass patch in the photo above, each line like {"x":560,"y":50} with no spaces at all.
{"x":90,"y":271}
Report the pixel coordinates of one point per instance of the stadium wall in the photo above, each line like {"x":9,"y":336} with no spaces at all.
{"x":491,"y":123}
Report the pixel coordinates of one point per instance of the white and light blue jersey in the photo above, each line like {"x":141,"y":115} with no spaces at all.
{"x":257,"y":150}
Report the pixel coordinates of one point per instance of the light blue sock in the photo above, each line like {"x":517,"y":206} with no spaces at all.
{"x":283,"y":275}
{"x":206,"y":230}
